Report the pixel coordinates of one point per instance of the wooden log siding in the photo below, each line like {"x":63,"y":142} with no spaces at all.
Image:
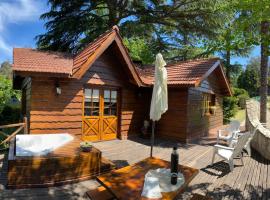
{"x":199,"y":124}
{"x":134,"y":110}
{"x":51,"y":113}
{"x":173,"y":123}
{"x":26,"y":99}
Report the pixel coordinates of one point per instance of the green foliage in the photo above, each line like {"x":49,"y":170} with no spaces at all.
{"x":170,"y":26}
{"x":231,"y":104}
{"x":10,"y":115}
{"x":229,"y":108}
{"x":139,"y":50}
{"x":7,"y":92}
{"x":235,"y":72}
{"x":249,"y":80}
{"x":242,"y":96}
{"x":6,"y":70}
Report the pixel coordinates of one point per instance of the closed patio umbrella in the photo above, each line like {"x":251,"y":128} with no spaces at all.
{"x":159,"y":101}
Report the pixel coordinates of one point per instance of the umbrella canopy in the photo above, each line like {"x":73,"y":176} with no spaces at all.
{"x":159,"y":101}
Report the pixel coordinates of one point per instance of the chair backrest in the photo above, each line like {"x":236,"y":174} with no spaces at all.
{"x":234,"y":126}
{"x":255,"y":129}
{"x":241,"y":142}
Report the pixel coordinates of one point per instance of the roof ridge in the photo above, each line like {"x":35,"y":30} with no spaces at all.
{"x":114,"y":28}
{"x":192,"y":60}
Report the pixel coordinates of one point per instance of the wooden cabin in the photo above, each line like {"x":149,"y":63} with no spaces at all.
{"x":100,"y":94}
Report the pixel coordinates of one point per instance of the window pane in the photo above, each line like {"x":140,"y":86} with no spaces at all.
{"x":106,"y":108}
{"x":87,"y":104}
{"x":87,"y":99}
{"x":106,"y":100}
{"x":113,"y":111}
{"x":114,"y":94}
{"x":95,"y":99}
{"x":87,"y":93}
{"x":95,"y":111}
{"x":106,"y":94}
{"x":95,"y":94}
{"x":114,"y":100}
{"x":87,"y":112}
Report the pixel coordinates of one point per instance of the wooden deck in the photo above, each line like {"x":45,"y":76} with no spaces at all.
{"x":251,"y":181}
{"x":64,"y":165}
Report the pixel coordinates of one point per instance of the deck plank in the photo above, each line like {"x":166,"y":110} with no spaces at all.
{"x":239,"y":184}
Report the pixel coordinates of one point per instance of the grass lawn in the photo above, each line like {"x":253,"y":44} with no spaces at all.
{"x":240,"y":115}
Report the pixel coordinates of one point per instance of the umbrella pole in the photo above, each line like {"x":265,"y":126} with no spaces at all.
{"x":152,"y":139}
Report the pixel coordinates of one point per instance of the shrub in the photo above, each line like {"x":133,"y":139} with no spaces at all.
{"x":242,"y":96}
{"x":242,"y":101}
{"x":10,"y":115}
{"x":229,"y":108}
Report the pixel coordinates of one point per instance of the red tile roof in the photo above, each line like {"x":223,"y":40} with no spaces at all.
{"x":181,"y":73}
{"x":185,"y":73}
{"x":31,"y":60}
{"x":90,"y":49}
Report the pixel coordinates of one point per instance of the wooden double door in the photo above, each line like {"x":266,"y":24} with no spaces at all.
{"x":100,"y":114}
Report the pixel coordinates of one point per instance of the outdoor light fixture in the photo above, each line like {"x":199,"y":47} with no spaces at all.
{"x":58,"y":88}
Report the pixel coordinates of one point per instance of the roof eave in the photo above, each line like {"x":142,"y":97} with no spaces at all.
{"x":217,"y":64}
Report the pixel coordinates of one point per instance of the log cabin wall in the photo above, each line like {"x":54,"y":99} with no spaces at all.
{"x":26,"y":99}
{"x":52,"y":113}
{"x":200,"y":123}
{"x":173,"y":123}
{"x":135,"y":107}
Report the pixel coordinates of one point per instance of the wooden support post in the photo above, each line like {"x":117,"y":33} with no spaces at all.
{"x":25,"y":120}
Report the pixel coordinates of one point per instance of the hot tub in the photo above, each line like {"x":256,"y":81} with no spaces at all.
{"x":51,"y":159}
{"x":40,"y":144}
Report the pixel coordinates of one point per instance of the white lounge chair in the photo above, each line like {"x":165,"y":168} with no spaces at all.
{"x":229,"y":153}
{"x":232,"y":130}
{"x":247,"y":145}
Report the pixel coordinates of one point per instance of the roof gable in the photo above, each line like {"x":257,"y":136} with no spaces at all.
{"x":84,"y":60}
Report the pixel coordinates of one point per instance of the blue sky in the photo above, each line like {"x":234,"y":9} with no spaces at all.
{"x":19,"y":24}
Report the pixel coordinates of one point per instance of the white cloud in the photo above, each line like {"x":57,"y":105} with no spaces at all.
{"x":4,"y":46}
{"x":16,"y":12}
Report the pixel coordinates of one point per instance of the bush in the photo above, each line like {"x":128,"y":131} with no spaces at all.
{"x":10,"y":115}
{"x":229,"y":108}
{"x":242,"y":96}
{"x":242,"y":101}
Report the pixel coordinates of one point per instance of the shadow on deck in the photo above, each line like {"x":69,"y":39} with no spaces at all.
{"x":251,"y":181}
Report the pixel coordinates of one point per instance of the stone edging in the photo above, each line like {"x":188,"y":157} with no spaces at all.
{"x":261,"y":140}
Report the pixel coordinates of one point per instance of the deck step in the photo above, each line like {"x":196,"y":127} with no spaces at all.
{"x":101,"y":193}
{"x":106,"y":165}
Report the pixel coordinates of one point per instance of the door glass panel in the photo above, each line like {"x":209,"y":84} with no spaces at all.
{"x":106,"y":94}
{"x":114,"y":94}
{"x":95,"y":111}
{"x":110,"y":102}
{"x":88,"y":93}
{"x":113,"y":111}
{"x":91,"y":102}
{"x":95,"y":94}
{"x":106,"y":108}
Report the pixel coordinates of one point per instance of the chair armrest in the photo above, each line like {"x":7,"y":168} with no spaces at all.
{"x":220,"y":131}
{"x":218,"y":146}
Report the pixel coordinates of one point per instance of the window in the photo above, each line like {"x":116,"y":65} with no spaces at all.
{"x":91,"y":102}
{"x":110,"y":102}
{"x":209,"y":101}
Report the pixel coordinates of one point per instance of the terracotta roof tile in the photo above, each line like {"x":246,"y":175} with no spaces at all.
{"x":180,"y":73}
{"x":26,"y":59}
{"x":83,"y":56}
{"x":32,"y":60}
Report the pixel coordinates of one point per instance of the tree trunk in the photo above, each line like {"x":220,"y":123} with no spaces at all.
{"x":264,"y":71}
{"x":228,"y":64}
